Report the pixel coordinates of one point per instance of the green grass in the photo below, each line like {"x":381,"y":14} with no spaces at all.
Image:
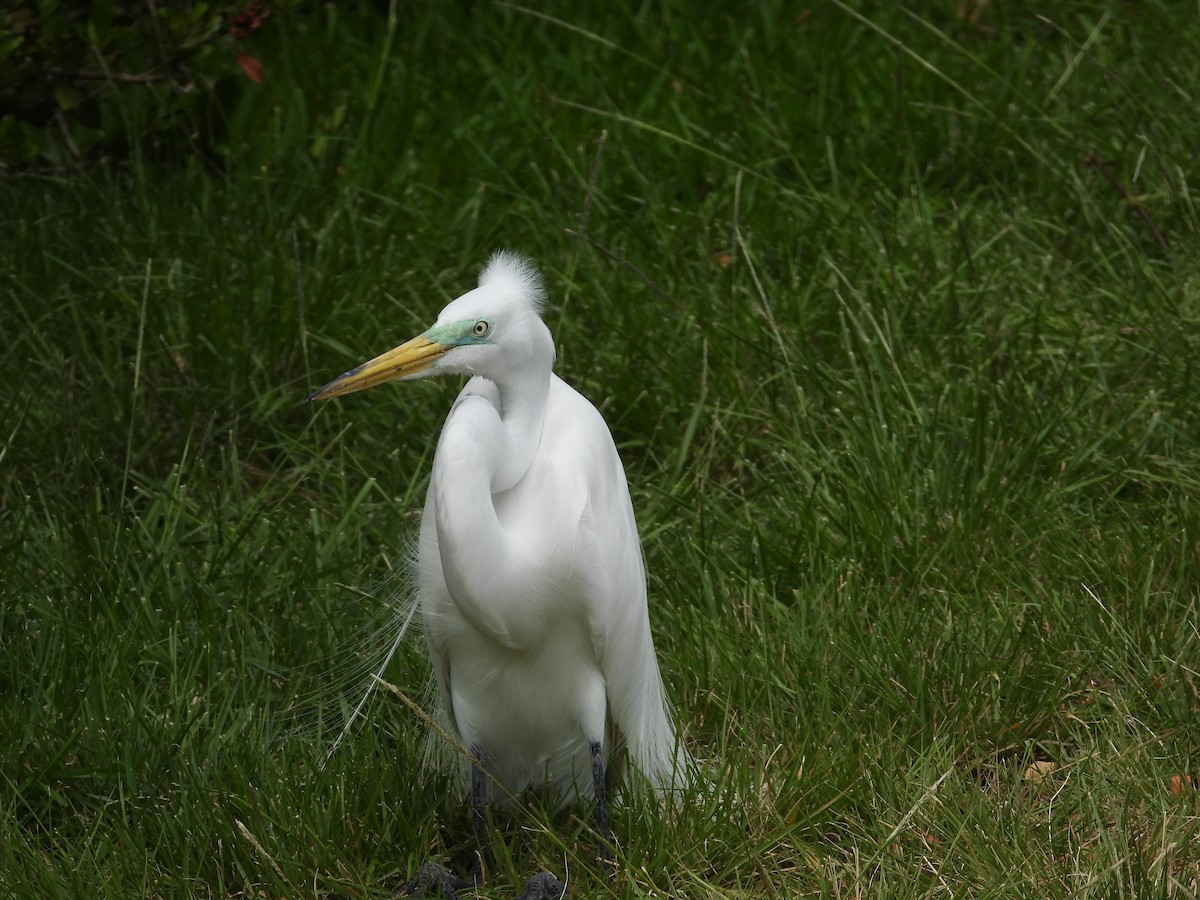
{"x":895,"y":317}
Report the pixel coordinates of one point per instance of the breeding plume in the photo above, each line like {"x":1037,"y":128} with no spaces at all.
{"x":530,"y":576}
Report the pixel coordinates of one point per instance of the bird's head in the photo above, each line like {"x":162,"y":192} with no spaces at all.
{"x":491,"y":331}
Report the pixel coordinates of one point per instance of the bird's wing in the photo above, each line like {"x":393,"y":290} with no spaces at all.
{"x":612,"y":575}
{"x":434,"y":598}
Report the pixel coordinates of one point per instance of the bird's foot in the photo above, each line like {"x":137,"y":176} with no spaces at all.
{"x":433,"y":880}
{"x":543,"y":886}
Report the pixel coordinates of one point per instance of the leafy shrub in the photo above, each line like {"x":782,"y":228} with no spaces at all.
{"x":81,"y":81}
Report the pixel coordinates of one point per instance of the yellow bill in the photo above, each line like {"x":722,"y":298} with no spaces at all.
{"x":408,"y":359}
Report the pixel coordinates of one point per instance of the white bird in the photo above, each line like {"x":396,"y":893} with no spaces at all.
{"x":530,"y":574}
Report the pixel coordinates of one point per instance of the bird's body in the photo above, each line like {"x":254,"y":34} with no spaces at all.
{"x":530,"y":574}
{"x":552,"y":636}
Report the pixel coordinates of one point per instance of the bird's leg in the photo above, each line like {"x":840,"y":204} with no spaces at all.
{"x":433,"y":880}
{"x":602,"y":807}
{"x":543,"y":886}
{"x":478,"y":812}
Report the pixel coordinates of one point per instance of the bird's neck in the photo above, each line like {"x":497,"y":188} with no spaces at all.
{"x":486,"y":447}
{"x":522,"y":412}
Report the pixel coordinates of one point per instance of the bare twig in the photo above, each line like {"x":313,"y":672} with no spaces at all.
{"x":1095,"y":162}
{"x":962,"y":237}
{"x":63,"y":128}
{"x":246,"y":833}
{"x":736,"y":236}
{"x":151,"y":77}
{"x":420,"y":713}
{"x":766,"y":879}
{"x":908,"y":816}
{"x":300,"y":298}
{"x":593,"y":176}
{"x":620,"y":260}
{"x":158,"y":38}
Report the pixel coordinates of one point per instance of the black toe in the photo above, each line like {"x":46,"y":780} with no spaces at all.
{"x":433,"y":880}
{"x":543,"y":886}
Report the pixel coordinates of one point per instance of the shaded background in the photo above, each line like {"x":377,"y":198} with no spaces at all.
{"x":892,"y":314}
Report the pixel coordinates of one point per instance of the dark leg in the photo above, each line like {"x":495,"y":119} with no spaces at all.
{"x":543,"y":886}
{"x":433,"y":879}
{"x":478,"y":811}
{"x":602,"y":806}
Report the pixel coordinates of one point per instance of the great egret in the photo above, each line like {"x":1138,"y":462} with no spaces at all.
{"x":529,"y":573}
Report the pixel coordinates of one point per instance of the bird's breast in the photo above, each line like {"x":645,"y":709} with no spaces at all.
{"x":532,"y":714}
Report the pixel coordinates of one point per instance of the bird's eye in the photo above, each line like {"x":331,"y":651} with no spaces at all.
{"x":482,"y":327}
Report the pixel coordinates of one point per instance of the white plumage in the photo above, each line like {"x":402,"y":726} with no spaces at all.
{"x":530,"y":573}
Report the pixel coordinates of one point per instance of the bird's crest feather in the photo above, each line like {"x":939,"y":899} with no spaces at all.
{"x":513,"y":271}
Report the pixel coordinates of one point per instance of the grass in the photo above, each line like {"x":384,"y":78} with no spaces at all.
{"x":894,"y":317}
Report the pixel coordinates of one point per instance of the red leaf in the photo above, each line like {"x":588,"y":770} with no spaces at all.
{"x":251,"y":66}
{"x":1181,"y":784}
